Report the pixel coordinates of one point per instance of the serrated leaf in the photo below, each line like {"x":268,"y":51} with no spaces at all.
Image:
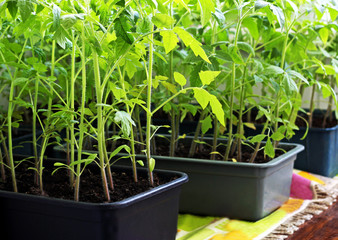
{"x":208,"y":76}
{"x":202,"y":97}
{"x":268,"y":149}
{"x":126,"y":122}
{"x":180,"y":79}
{"x":217,"y":109}
{"x":191,"y":42}
{"x":163,"y":20}
{"x":169,"y":40}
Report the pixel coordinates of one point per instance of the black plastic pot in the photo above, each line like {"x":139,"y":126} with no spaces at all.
{"x":151,"y":215}
{"x":321,"y":149}
{"x":236,"y":190}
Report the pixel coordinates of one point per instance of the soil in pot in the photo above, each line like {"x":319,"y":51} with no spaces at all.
{"x":202,"y":151}
{"x":57,"y":185}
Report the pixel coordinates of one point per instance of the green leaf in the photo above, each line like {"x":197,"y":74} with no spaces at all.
{"x":235,"y":55}
{"x":121,"y":30}
{"x":328,"y":70}
{"x":208,"y":76}
{"x":206,"y":124}
{"x":277,"y":136}
{"x":273,"y":70}
{"x":60,"y":37}
{"x":217,"y":109}
{"x":163,"y":20}
{"x":246,"y":47}
{"x":140,"y":162}
{"x":207,"y":7}
{"x":170,"y":87}
{"x":12,"y":8}
{"x":268,"y":149}
{"x":298,"y":75}
{"x":181,"y":2}
{"x":198,"y":51}
{"x":3,"y":6}
{"x":56,"y":17}
{"x":278,"y":12}
{"x":169,"y":40}
{"x":88,"y":112}
{"x":19,"y":80}
{"x":260,"y":4}
{"x":219,"y":16}
{"x":119,"y":149}
{"x":290,"y":85}
{"x":26,"y":8}
{"x":324,"y":34}
{"x":191,"y":42}
{"x":39,"y":67}
{"x":126,"y":122}
{"x":180,"y":79}
{"x":152,"y":163}
{"x":333,"y":13}
{"x":67,"y":21}
{"x":251,"y":25}
{"x":144,"y":25}
{"x":293,"y":6}
{"x":258,"y":138}
{"x":202,"y":97}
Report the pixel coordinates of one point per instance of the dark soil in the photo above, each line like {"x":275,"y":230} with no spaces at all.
{"x":57,"y":185}
{"x":203,"y":151}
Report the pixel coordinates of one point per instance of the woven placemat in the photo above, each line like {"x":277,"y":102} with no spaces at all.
{"x":310,"y":195}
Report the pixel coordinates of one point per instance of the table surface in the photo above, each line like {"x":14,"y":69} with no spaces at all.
{"x":321,"y":227}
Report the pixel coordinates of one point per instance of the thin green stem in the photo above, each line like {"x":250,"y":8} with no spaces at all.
{"x":149,"y":114}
